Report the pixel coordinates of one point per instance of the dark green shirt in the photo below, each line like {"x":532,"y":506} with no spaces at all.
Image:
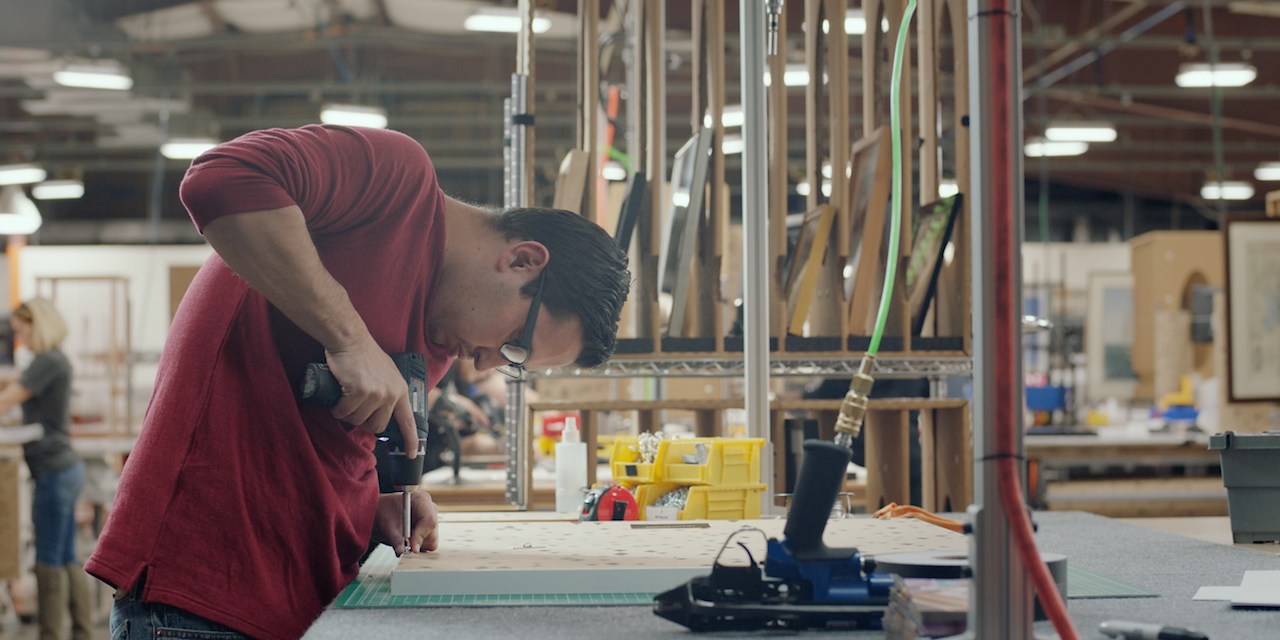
{"x":49,"y":381}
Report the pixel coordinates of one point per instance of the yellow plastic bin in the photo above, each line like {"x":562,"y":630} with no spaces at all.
{"x":711,"y":461}
{"x":625,"y":463}
{"x":723,"y":502}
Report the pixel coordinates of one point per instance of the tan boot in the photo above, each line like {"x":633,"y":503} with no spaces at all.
{"x":51,"y":597}
{"x":81,"y":603}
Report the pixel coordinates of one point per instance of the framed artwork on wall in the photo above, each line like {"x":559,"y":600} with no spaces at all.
{"x":1253,"y":308}
{"x":868,"y":212}
{"x":680,"y":227}
{"x":807,"y":256}
{"x":932,"y":234}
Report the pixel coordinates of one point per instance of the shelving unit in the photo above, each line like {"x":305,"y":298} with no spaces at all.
{"x":834,"y":342}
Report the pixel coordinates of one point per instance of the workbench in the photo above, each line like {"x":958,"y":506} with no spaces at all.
{"x":1116,"y":486}
{"x":1170,"y":565}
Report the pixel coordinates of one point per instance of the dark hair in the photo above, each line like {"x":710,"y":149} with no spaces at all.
{"x":586,"y":275}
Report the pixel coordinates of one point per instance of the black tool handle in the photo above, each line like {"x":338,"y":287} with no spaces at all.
{"x":319,"y":386}
{"x":821,"y":472}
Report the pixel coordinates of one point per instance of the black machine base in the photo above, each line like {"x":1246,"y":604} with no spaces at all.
{"x":743,"y":598}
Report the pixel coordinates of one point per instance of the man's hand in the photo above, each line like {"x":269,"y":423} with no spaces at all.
{"x":373,"y":391}
{"x":273,"y":251}
{"x":388,"y":522}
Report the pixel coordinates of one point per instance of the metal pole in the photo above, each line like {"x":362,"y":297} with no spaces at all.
{"x":755,"y":222}
{"x":519,"y":469}
{"x":519,"y":138}
{"x":519,"y":455}
{"x":1000,"y":602}
{"x":508,"y":158}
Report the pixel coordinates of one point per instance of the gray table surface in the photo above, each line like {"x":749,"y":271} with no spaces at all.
{"x":1170,"y":565}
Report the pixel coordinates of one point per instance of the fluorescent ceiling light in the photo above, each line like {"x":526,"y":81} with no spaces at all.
{"x":1226,"y":190}
{"x":352,"y":115}
{"x":18,"y":214}
{"x":795,"y":75}
{"x":186,"y":148}
{"x":732,"y":117}
{"x":733,"y":144}
{"x":1080,"y":132}
{"x":501,"y":20}
{"x":855,"y":23}
{"x":21,"y":174}
{"x":947,"y":188}
{"x":802,"y":188}
{"x":94,"y":77}
{"x":58,"y":190}
{"x":1039,"y":147}
{"x":1268,"y":171}
{"x":1224,"y":74}
{"x":613,"y":171}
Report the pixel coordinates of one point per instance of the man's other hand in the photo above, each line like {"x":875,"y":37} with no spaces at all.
{"x":388,"y":524}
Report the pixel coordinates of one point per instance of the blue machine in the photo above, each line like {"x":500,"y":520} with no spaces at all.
{"x":803,"y":582}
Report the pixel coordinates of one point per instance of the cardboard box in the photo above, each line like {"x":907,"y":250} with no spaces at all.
{"x":1166,"y":264}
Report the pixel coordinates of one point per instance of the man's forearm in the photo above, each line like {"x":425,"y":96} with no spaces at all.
{"x":273,"y":251}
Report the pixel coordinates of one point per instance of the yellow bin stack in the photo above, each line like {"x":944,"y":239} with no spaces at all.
{"x":722,"y":474}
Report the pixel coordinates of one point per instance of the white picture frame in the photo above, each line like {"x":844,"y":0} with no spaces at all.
{"x":680,"y":225}
{"x":1108,"y":336}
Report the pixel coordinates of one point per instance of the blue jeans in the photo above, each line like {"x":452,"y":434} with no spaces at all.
{"x":53,"y":513}
{"x":133,"y":619}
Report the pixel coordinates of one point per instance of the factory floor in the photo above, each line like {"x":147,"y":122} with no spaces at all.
{"x":31,"y":631}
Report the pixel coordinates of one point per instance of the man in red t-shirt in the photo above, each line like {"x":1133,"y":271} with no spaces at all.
{"x":243,"y":510}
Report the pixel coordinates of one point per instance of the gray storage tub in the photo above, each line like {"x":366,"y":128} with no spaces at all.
{"x":1251,"y":473}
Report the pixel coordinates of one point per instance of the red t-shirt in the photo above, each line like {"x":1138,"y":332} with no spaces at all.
{"x":240,"y":504}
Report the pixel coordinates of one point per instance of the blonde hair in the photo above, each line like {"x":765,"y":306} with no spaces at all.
{"x":48,"y":329}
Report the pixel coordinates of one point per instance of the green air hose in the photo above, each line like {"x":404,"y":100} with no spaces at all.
{"x":854,"y":408}
{"x":898,"y":193}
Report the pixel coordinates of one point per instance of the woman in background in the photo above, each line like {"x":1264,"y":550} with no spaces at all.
{"x":44,"y":391}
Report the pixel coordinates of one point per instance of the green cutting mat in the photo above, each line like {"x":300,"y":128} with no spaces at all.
{"x":372,"y":589}
{"x":1083,"y":583}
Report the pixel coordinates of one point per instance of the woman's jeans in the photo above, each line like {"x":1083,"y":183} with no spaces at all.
{"x":53,"y":512}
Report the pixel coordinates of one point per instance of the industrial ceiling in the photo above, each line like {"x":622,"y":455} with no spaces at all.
{"x":222,"y":67}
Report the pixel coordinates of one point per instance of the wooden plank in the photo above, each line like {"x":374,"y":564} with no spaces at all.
{"x":480,"y":558}
{"x":589,"y":103}
{"x":571,"y":182}
{"x":1141,"y":497}
{"x":887,"y":461}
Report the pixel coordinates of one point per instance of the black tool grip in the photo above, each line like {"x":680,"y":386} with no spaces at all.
{"x":319,"y":386}
{"x":821,"y":472}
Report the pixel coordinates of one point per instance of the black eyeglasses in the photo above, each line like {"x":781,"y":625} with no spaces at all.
{"x":517,"y":353}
